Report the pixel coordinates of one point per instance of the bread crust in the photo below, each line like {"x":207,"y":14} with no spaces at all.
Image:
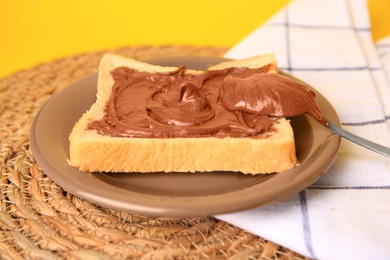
{"x":89,"y":151}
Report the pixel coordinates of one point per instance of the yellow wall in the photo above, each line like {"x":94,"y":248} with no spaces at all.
{"x":380,"y":18}
{"x":36,"y":31}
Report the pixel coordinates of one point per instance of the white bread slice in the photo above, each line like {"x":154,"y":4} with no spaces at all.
{"x":89,"y":151}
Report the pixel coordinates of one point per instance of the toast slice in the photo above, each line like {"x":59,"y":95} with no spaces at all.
{"x":266,"y":152}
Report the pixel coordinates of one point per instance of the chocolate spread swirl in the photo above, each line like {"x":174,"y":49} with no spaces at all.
{"x":235,"y":102}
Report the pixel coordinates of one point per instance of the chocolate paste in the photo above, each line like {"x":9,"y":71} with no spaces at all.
{"x":236,"y":102}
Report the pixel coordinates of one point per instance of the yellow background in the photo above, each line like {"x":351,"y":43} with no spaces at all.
{"x":36,"y":31}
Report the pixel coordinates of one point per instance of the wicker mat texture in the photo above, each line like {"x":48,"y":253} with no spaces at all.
{"x":39,"y":220}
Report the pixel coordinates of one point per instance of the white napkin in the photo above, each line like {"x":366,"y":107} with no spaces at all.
{"x":345,"y":214}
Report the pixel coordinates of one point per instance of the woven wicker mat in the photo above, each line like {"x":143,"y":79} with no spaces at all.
{"x":39,"y":220}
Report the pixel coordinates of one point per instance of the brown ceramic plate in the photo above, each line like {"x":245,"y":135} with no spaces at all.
{"x":174,"y":194}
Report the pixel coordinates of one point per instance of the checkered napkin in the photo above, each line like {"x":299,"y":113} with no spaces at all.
{"x":346,"y":213}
